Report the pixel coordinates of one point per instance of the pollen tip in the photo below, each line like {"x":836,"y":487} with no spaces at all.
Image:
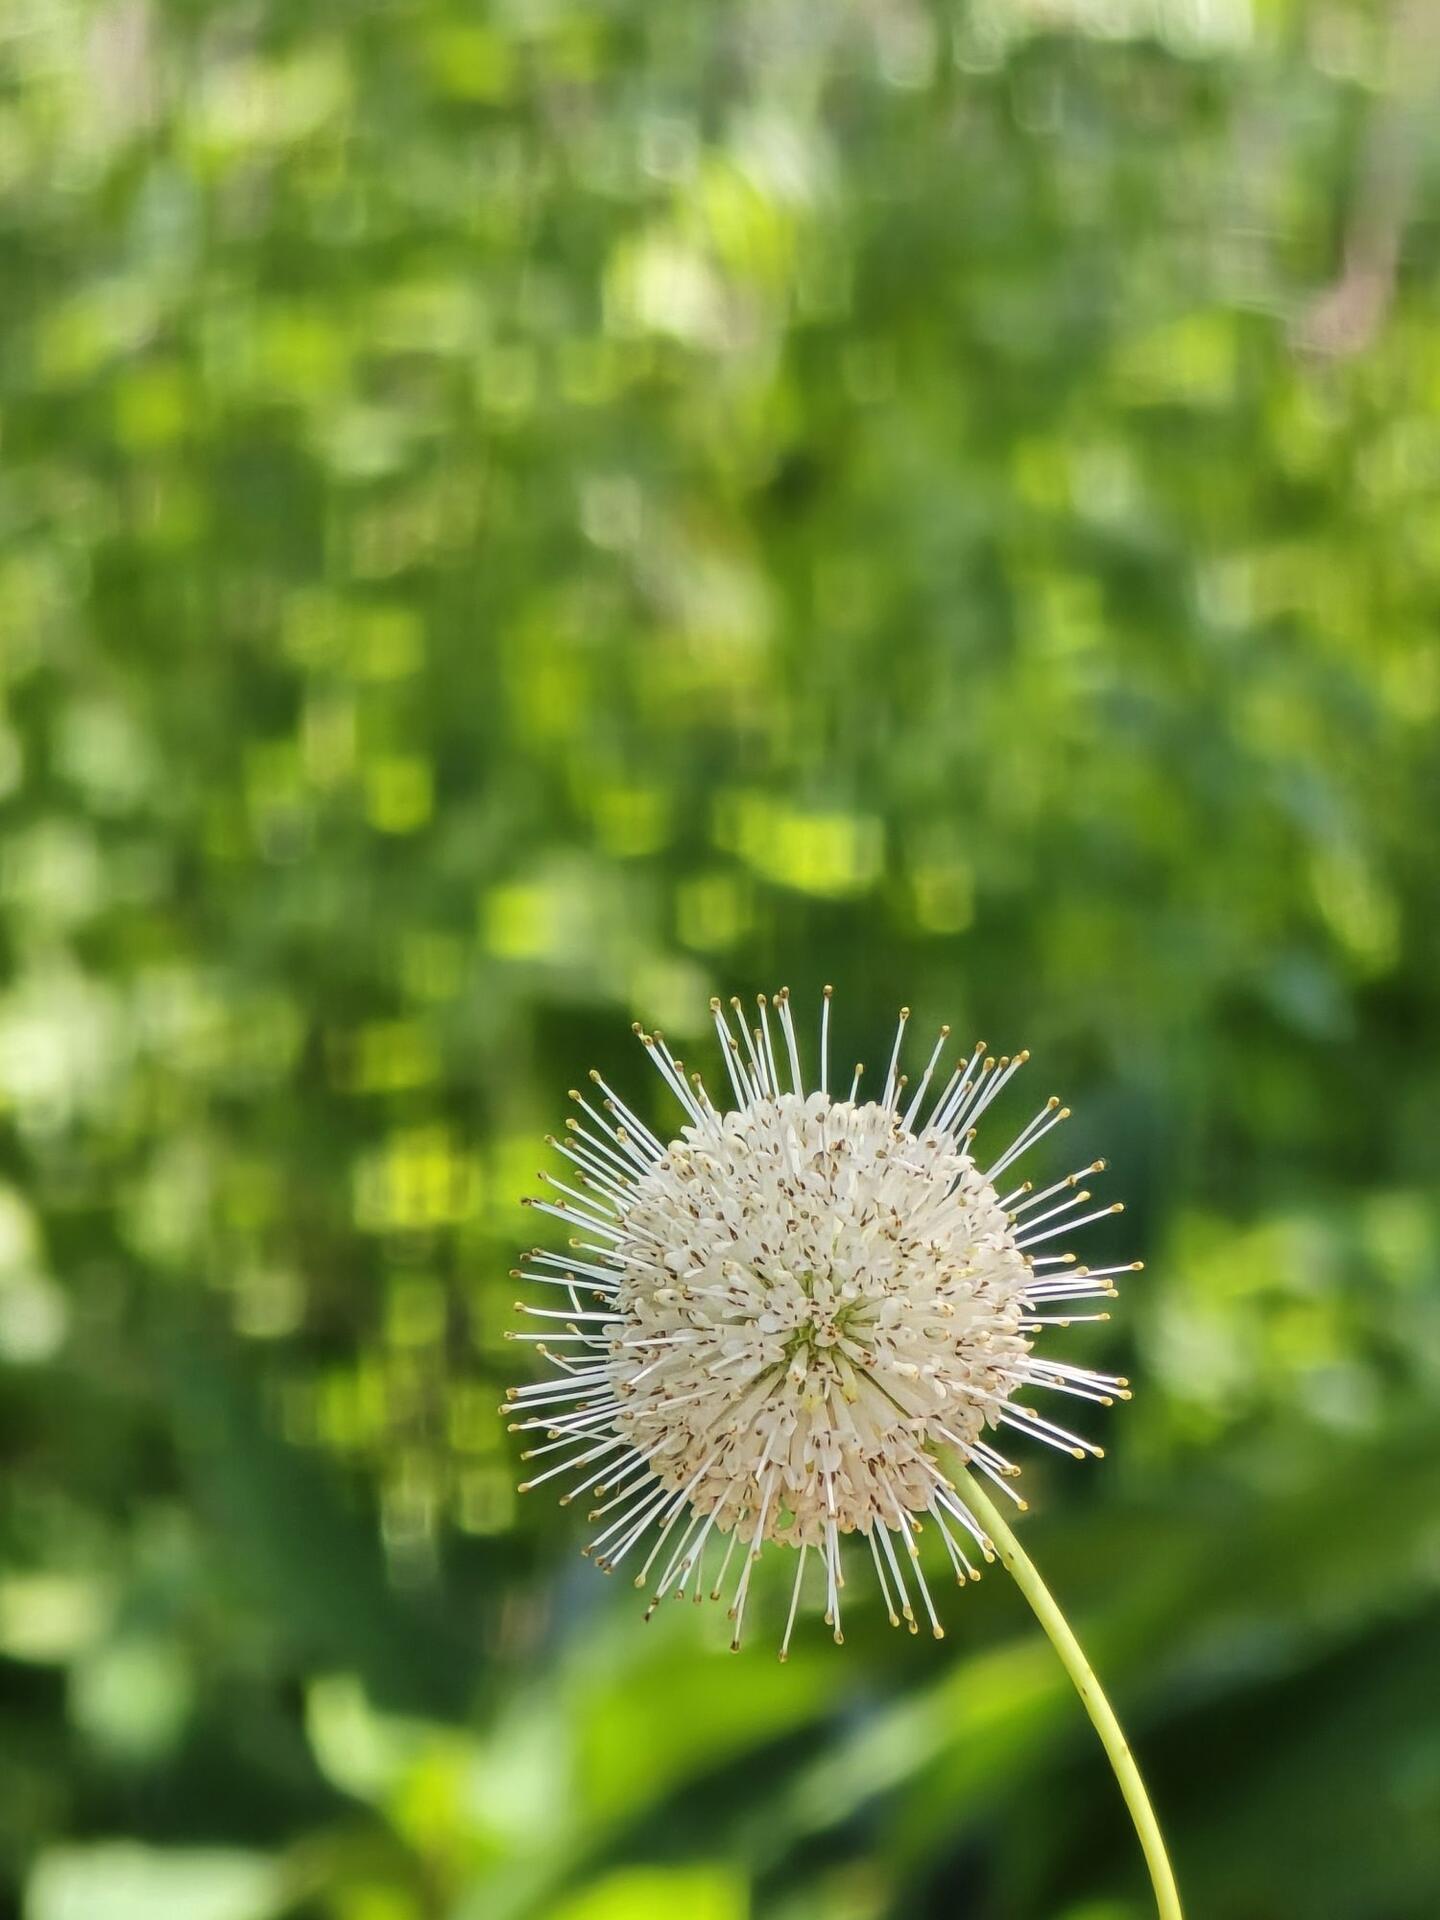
{"x":937,"y":1630}
{"x":595,"y":1075}
{"x":1022,"y":1056}
{"x":839,"y":1638}
{"x":1137,"y":1266}
{"x":904,"y":1013}
{"x":1022,"y":1506}
{"x":829,"y":993}
{"x":944,"y":1033}
{"x":1099,"y":1453}
{"x":783,"y":1656}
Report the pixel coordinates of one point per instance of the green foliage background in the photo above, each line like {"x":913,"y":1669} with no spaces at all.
{"x":515,"y":518}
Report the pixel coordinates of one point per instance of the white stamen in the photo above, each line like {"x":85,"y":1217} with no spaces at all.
{"x":800,"y":1301}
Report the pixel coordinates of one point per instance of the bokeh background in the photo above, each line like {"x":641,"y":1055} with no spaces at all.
{"x":515,"y":517}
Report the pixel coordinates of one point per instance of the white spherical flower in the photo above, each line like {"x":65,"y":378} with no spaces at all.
{"x":781,"y":1324}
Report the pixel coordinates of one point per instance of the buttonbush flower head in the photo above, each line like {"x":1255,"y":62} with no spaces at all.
{"x":780,"y":1324}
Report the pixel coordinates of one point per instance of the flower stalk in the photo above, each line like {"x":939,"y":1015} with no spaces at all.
{"x":1043,"y":1605}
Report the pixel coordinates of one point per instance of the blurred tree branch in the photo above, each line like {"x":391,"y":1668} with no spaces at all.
{"x":1345,"y":318}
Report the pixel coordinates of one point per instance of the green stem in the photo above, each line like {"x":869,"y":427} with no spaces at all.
{"x":1018,"y":1564}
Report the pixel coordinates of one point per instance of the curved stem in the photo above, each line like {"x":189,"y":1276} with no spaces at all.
{"x":1042,"y":1603}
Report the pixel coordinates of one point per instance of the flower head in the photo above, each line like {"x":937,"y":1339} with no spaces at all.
{"x":780,"y":1324}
